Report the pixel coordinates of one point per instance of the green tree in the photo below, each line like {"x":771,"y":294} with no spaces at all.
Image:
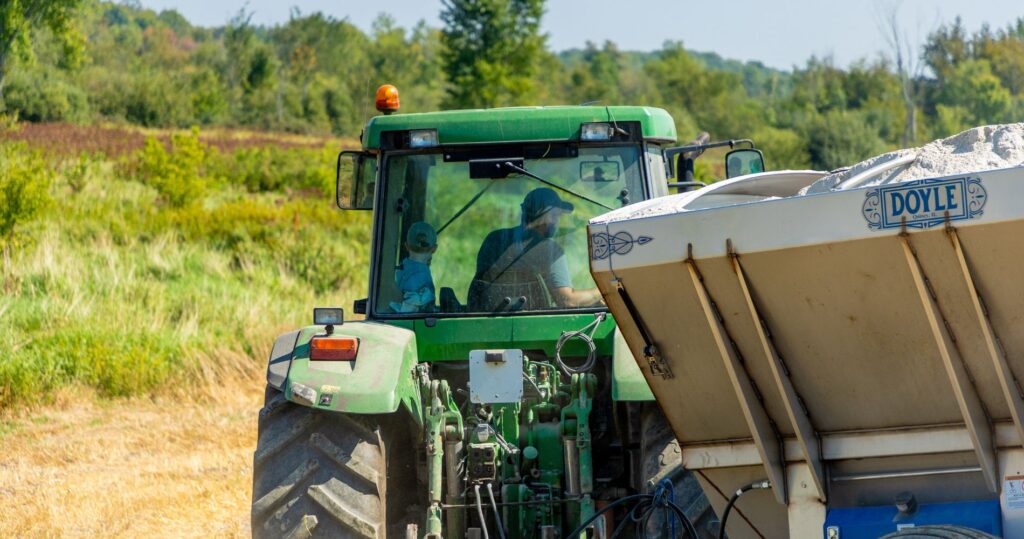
{"x":599,"y":76}
{"x":840,"y":138}
{"x":783,"y":148}
{"x":946,"y":48}
{"x":716,"y":99}
{"x":973,"y":87}
{"x":19,"y":18}
{"x":491,"y":51}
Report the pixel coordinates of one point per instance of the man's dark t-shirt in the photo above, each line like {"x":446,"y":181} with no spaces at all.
{"x":518,"y":256}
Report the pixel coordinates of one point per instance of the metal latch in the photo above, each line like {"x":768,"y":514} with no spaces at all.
{"x":657,"y":363}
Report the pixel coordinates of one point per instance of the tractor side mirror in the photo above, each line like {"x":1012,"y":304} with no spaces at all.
{"x":743,"y":162}
{"x":356,"y":180}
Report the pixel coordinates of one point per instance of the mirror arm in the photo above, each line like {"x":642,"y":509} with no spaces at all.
{"x":686,"y":185}
{"x":697,"y":149}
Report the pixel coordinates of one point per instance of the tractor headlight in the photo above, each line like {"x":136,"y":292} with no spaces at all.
{"x":595,"y":132}
{"x":422,"y":138}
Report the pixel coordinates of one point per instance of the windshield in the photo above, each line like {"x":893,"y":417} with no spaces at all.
{"x":454,"y":240}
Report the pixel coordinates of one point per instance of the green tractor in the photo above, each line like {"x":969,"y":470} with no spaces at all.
{"x":488,"y":392}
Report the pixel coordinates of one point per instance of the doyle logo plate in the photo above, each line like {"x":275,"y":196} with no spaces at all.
{"x":924,"y":203}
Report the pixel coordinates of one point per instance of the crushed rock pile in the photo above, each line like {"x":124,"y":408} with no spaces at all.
{"x":981,"y":148}
{"x":974,"y":150}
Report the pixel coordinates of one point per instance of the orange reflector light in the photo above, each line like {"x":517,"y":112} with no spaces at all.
{"x":334,"y":348}
{"x":387,"y":99}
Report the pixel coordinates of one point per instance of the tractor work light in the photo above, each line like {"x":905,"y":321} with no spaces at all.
{"x":387,"y":99}
{"x":595,"y":132}
{"x":333,"y":348}
{"x":422,"y":138}
{"x":328,"y":316}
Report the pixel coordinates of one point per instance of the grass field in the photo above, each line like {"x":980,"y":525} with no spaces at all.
{"x":135,"y":323}
{"x":123,"y":285}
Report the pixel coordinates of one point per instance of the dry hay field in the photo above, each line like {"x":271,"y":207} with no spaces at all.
{"x":164,"y":466}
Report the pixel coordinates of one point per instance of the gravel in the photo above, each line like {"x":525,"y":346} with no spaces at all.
{"x":981,"y":148}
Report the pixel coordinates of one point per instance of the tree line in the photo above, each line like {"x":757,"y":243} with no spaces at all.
{"x":90,"y":60}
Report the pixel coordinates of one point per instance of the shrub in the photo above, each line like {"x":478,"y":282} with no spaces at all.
{"x":42,"y":96}
{"x":179,"y":174}
{"x":78,"y":172}
{"x":24,"y":190}
{"x":270,"y":168}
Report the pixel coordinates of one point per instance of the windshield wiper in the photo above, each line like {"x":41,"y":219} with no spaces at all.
{"x":465,"y":207}
{"x":512,"y":166}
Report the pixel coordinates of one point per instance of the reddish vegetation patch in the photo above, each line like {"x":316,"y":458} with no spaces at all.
{"x":61,"y":139}
{"x":68,"y":139}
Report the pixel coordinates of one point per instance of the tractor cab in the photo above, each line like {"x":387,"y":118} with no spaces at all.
{"x":479,"y":212}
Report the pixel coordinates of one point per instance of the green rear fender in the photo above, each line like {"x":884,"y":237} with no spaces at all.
{"x":628,"y":382}
{"x":380,"y":379}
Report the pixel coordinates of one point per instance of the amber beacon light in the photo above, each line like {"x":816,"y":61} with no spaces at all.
{"x":387,"y":99}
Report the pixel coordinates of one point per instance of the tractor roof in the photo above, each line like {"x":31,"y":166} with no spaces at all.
{"x":520,"y":124}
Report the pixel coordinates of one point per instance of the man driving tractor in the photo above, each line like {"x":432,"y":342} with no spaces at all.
{"x":523,"y":267}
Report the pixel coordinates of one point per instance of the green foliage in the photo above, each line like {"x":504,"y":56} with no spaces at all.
{"x":318,"y":74}
{"x":179,"y":175}
{"x":271,"y":168}
{"x":79,"y":173}
{"x":41,"y":95}
{"x":491,"y":51}
{"x":973,"y":88}
{"x":840,"y":138}
{"x":783,"y":148}
{"x":20,"y":18}
{"x":24,"y":190}
{"x":128,"y":297}
{"x":597,"y":77}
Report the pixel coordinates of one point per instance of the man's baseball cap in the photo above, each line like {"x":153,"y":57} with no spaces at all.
{"x":540,"y":201}
{"x":421,"y":235}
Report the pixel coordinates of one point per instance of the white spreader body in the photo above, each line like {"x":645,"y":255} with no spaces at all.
{"x":850,"y":346}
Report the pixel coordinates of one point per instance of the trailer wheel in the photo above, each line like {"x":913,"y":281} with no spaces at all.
{"x":327,"y":474}
{"x":661,"y":459}
{"x":938,"y":532}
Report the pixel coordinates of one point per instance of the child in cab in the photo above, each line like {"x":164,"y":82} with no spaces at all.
{"x":413,"y":276}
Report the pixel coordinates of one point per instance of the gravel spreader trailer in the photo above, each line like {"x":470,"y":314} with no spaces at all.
{"x":858,"y":350}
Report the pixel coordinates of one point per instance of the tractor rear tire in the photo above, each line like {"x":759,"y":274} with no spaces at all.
{"x":938,"y":532}
{"x":662,"y":459}
{"x":318,"y":473}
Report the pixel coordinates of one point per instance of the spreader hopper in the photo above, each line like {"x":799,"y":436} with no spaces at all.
{"x":852,"y":347}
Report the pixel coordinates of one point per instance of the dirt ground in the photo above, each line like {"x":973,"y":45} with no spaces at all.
{"x":162,"y":467}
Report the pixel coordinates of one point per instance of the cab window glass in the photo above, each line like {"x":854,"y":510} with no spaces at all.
{"x":456,"y":244}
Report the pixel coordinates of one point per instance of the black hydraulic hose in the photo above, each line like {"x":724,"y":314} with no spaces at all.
{"x":762,"y":483}
{"x":648,"y":503}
